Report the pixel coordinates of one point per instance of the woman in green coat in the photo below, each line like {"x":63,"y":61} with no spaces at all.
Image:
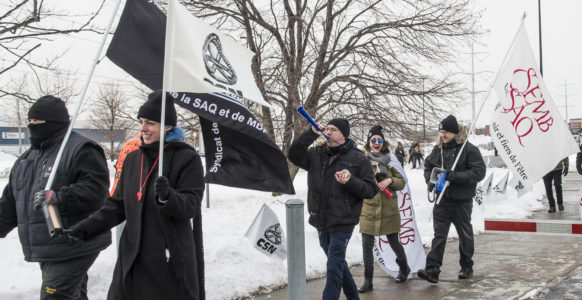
{"x":380,"y":215}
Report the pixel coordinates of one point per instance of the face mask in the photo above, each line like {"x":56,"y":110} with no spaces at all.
{"x":40,"y":133}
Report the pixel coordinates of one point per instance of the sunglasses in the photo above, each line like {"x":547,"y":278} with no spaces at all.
{"x":377,"y":141}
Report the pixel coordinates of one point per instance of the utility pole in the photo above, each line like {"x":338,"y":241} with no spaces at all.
{"x":566,"y":100}
{"x":423,"y":120}
{"x":540,"y":36}
{"x":472,"y":85}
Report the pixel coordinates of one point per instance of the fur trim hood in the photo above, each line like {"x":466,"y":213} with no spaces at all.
{"x":460,"y":138}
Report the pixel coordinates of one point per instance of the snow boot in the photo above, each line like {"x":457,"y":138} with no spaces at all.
{"x":404,"y":270}
{"x":366,"y":286}
{"x":466,"y":273}
{"x":430,"y":274}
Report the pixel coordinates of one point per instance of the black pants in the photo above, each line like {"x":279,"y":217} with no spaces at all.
{"x":460,"y":216}
{"x":367,"y":248}
{"x":66,"y":279}
{"x":555,"y":176}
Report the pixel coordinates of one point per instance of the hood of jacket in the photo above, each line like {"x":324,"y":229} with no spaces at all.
{"x":460,"y":138}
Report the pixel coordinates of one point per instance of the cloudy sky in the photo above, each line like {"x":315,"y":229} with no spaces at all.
{"x":501,"y":18}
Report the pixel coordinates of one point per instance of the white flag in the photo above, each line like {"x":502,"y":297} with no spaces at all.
{"x":501,"y":186}
{"x":266,"y":235}
{"x":200,"y":59}
{"x":487,"y":184}
{"x":518,"y":186}
{"x":409,"y":235}
{"x":526,"y":126}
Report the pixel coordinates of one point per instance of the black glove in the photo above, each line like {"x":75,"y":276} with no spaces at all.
{"x":162,"y":187}
{"x":565,"y":171}
{"x":430,"y":187}
{"x":40,"y":197}
{"x":74,"y":235}
{"x":451,"y":176}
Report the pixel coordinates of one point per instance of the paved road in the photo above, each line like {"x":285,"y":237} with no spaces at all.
{"x":508,"y":265}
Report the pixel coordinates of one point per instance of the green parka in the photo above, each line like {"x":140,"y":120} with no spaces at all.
{"x":380,"y":215}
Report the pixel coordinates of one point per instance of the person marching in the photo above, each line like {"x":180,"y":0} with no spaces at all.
{"x":400,"y":154}
{"x":159,"y":256}
{"x":380,"y":214}
{"x":339,"y":178}
{"x":456,"y":205}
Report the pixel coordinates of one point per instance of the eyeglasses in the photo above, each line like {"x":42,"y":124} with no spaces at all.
{"x":377,"y":141}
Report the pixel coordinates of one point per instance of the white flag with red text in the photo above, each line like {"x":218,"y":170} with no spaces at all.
{"x":526,"y":126}
{"x":409,"y":236}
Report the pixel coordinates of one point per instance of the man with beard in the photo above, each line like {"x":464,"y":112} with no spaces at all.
{"x":456,"y":204}
{"x":80,"y":187}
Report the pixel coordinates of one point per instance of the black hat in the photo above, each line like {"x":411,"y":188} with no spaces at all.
{"x":342,"y":124}
{"x":49,"y":108}
{"x":449,"y":124}
{"x":152,"y":108}
{"x":376,"y":130}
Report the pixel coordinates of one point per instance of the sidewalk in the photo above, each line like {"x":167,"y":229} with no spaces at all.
{"x":508,"y":265}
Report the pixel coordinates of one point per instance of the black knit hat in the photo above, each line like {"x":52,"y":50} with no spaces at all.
{"x":342,"y":124}
{"x":152,"y":108}
{"x":449,"y":124}
{"x":49,"y":108}
{"x":376,"y":130}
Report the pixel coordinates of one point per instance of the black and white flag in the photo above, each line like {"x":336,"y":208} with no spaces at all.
{"x":238,"y":152}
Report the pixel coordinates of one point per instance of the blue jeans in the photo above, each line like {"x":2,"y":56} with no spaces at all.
{"x":334,"y":245}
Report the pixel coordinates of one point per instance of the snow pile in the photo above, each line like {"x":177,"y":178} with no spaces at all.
{"x":233,"y":267}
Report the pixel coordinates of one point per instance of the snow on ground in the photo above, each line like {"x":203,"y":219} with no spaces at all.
{"x":233,"y":267}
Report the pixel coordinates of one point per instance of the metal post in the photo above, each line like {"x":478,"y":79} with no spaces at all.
{"x":472,"y":85}
{"x":207,"y":195}
{"x":423,"y":120}
{"x":295,"y":250}
{"x":540,"y":37}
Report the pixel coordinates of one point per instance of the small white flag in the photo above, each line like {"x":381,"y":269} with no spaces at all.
{"x":266,"y":235}
{"x":501,"y":186}
{"x":487,"y":184}
{"x":518,"y":186}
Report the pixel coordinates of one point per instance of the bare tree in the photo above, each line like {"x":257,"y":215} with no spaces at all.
{"x":110,"y":113}
{"x":371,"y":61}
{"x":25,"y":25}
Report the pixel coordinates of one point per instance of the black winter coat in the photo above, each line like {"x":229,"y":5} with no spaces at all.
{"x":154,"y":231}
{"x":81,"y":182}
{"x":333,"y":207}
{"x":469,"y":170}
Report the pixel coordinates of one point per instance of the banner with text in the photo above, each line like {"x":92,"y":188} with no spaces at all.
{"x":238,"y":152}
{"x":409,"y":235}
{"x":526,"y":126}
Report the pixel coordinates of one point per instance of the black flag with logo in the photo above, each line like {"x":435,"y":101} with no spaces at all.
{"x":238,"y":152}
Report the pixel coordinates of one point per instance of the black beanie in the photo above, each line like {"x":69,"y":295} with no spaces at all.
{"x":376,"y":130}
{"x":49,"y":108}
{"x":152,"y":108}
{"x":449,"y":124}
{"x":342,"y":124}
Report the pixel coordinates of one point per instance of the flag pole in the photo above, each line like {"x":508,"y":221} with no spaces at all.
{"x":53,"y":215}
{"x":482,"y":105}
{"x":164,"y":80}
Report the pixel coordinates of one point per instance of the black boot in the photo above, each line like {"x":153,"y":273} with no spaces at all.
{"x":430,"y":274}
{"x":404,"y":270}
{"x":366,"y":286}
{"x":552,"y":209}
{"x":466,"y":273}
{"x":561,"y":206}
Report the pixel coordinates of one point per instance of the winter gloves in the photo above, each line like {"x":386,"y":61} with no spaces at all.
{"x":162,"y":189}
{"x":565,"y":171}
{"x":46,"y":195}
